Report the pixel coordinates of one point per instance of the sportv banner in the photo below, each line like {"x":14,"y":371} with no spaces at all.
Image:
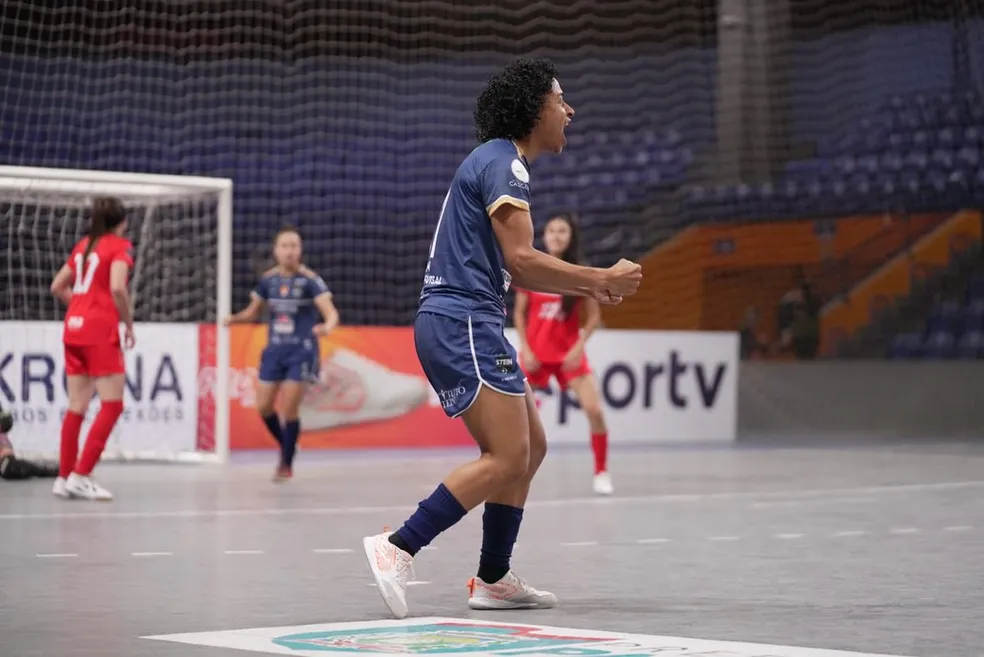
{"x":655,"y":386}
{"x":160,"y":400}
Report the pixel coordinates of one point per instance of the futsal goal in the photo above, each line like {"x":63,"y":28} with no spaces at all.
{"x":181,"y":229}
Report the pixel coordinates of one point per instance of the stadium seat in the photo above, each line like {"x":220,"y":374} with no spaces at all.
{"x":940,"y":345}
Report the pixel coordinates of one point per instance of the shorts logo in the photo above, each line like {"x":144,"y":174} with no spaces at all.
{"x":449,"y":397}
{"x":505,"y":364}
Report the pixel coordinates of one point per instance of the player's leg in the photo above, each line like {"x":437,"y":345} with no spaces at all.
{"x":301,"y":371}
{"x":292,"y":393}
{"x":456,"y":358}
{"x":496,"y":586}
{"x":539,"y":380}
{"x":80,"y":388}
{"x":270,"y":376}
{"x":585,"y":387}
{"x":106,"y":369}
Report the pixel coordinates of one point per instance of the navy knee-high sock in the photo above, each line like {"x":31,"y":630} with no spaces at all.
{"x":500,"y":528}
{"x":293,"y":430}
{"x":272,"y":423}
{"x":434,"y":515}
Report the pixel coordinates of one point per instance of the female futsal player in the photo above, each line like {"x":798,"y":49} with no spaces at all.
{"x":301,"y":309}
{"x":482,"y":242}
{"x":552,"y":339}
{"x":93,"y":284}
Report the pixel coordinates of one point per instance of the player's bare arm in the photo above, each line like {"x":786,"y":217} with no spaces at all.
{"x":326,"y":306}
{"x":61,"y":286}
{"x":520,"y":308}
{"x":538,"y":271}
{"x":592,"y":320}
{"x":119,"y":272}
{"x":249,"y":314}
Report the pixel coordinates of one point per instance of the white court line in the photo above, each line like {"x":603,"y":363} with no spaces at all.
{"x":788,"y":537}
{"x":410,"y":583}
{"x":958,"y":528}
{"x":793,"y":503}
{"x":579,"y":544}
{"x":850,"y":532}
{"x":151,"y":554}
{"x":819,"y":493}
{"x":722,"y":538}
{"x":58,"y":555}
{"x":901,"y":531}
{"x":244,"y":552}
{"x":333,"y":550}
{"x":652,"y":541}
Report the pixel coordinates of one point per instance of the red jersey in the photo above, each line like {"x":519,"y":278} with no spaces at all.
{"x":92,"y":317}
{"x":550,"y":332}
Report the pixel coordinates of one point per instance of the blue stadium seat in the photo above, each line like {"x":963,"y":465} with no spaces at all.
{"x":971,"y":345}
{"x":940,"y":345}
{"x":907,"y":346}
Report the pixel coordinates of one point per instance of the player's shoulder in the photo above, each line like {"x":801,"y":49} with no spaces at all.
{"x":306,"y":272}
{"x":498,"y":151}
{"x":114,"y":243}
{"x":270,"y":274}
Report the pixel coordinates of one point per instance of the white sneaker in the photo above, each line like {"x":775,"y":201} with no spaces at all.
{"x":392,"y":569}
{"x":85,"y":488}
{"x":603,"y":484}
{"x":352,"y":389}
{"x":58,"y":490}
{"x":510,"y":592}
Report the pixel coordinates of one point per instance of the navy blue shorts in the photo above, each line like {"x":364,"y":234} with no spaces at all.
{"x":458,"y":357}
{"x":289,"y":362}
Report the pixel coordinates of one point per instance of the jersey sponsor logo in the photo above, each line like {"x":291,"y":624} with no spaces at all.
{"x":552,"y":311}
{"x":519,"y":170}
{"x":506,"y":281}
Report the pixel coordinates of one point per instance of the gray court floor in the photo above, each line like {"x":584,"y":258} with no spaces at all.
{"x":872,"y":549}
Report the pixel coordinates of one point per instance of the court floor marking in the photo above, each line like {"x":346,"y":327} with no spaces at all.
{"x":800,"y":494}
{"x":853,"y":533}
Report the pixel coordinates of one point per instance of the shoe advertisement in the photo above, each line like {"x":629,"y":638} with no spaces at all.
{"x":369,"y":393}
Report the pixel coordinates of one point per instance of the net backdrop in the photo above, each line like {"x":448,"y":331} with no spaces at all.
{"x":348,"y":121}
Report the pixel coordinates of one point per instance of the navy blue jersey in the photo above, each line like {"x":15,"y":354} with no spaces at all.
{"x":466,"y":273}
{"x":293,"y":314}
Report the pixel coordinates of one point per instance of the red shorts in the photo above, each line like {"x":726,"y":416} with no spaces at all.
{"x":93,"y":360}
{"x":540,"y":378}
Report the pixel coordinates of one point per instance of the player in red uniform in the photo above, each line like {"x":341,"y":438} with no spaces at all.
{"x":93,"y":283}
{"x":553,"y":330}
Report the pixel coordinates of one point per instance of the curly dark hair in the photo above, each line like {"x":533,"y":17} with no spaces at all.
{"x":509,"y":106}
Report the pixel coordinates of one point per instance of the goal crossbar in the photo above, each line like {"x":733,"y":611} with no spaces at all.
{"x":130,"y":185}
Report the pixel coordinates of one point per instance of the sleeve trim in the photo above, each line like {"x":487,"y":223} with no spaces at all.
{"x":505,"y":199}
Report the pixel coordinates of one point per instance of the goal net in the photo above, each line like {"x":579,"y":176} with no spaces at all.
{"x":180,"y":228}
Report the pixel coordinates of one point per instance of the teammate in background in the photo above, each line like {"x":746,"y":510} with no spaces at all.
{"x":93,"y":284}
{"x":483,"y":240}
{"x":552,"y":339}
{"x":301,"y":309}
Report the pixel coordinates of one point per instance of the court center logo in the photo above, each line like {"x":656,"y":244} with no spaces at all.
{"x":430,"y":639}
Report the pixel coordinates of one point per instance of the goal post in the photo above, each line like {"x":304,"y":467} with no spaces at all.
{"x":181,"y":230}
